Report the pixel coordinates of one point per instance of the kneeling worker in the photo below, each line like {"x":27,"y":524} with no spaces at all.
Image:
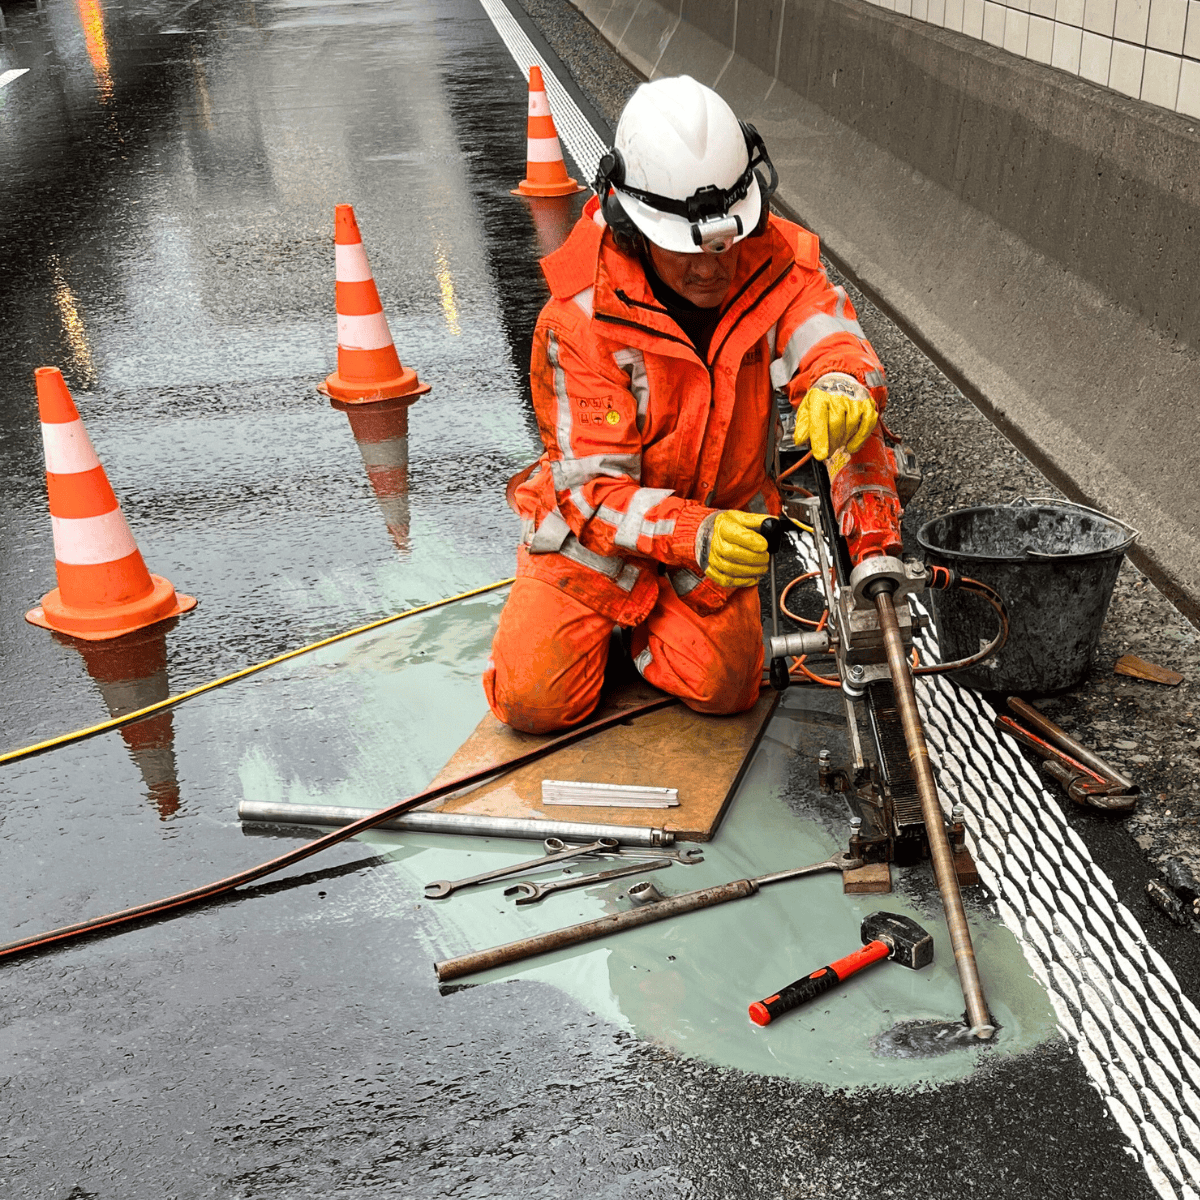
{"x":679,"y":306}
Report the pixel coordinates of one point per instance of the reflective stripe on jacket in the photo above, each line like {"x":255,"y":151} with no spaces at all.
{"x":643,"y":438}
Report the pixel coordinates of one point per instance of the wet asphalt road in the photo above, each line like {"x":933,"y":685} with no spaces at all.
{"x":169,"y":177}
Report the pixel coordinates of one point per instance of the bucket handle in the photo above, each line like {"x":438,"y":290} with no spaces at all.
{"x":1029,"y":501}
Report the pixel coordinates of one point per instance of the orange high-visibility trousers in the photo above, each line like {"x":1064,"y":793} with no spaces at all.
{"x":550,"y":651}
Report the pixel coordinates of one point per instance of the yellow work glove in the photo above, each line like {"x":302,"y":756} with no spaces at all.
{"x":729,"y":551}
{"x":836,"y":411}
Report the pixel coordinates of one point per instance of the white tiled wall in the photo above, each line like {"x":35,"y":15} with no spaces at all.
{"x":1147,"y":49}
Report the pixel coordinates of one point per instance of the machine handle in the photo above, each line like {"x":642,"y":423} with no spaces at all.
{"x":779,"y":675}
{"x":763,"y":1012}
{"x":773,"y":528}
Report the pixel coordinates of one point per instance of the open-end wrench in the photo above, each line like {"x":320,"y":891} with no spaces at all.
{"x":692,"y":854}
{"x":441,"y":888}
{"x":528,"y":892}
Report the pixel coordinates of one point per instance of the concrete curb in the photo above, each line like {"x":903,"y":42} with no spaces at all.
{"x":1035,"y":234}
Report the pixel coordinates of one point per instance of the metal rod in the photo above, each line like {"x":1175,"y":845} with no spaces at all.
{"x":558,"y":939}
{"x":1044,"y":725}
{"x":856,"y":750}
{"x":978,"y":1018}
{"x":659,"y":910}
{"x":472,"y":824}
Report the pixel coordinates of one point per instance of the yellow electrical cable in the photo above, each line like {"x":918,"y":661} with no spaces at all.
{"x":66,"y":739}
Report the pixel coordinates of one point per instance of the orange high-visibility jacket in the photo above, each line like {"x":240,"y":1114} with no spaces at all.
{"x":644,"y":439}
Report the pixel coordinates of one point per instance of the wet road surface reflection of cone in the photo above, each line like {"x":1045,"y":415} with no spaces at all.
{"x":104,"y":589}
{"x":553,"y":219}
{"x":381,"y":432}
{"x":545,"y":170}
{"x":369,"y":369}
{"x":131,"y":673}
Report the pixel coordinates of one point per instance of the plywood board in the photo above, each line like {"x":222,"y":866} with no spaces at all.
{"x":702,"y":756}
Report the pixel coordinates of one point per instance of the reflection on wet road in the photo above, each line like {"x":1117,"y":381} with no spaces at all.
{"x":169,"y":183}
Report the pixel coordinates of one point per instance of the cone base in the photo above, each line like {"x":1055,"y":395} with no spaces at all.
{"x":112,"y":620}
{"x":567,"y":188}
{"x":405,"y":384}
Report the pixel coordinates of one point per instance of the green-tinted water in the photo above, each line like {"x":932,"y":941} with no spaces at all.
{"x":400,"y":701}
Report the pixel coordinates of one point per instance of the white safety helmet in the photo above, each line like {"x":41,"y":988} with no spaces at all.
{"x":682,"y":169}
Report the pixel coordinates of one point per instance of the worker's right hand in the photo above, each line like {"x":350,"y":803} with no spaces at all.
{"x":729,"y":550}
{"x":836,"y":411}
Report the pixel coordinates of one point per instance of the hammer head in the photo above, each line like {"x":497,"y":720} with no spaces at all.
{"x":907,"y":942}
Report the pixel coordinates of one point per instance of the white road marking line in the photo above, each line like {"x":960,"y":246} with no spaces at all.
{"x":8,"y":76}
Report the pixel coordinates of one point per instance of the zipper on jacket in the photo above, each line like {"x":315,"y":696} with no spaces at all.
{"x":670,"y":337}
{"x":620,"y":295}
{"x":751,"y":307}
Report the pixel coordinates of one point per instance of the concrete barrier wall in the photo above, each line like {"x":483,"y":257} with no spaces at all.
{"x":1037,"y":234}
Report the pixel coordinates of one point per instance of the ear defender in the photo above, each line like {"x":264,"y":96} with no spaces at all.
{"x":610,"y":175}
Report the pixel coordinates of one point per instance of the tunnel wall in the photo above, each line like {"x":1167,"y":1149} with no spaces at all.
{"x":1036,"y":233}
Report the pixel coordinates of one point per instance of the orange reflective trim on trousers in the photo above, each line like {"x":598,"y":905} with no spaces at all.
{"x":93,"y":585}
{"x":80,"y":494}
{"x":550,"y":651}
{"x":368,"y":366}
{"x":548,"y":659}
{"x":359,"y":299}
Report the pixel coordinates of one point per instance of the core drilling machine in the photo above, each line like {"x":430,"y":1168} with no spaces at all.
{"x":853,"y":506}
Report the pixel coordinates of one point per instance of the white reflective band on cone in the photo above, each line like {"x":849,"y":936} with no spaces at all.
{"x":539,"y":104}
{"x":88,"y":541}
{"x":364,"y":333}
{"x":351,"y":264}
{"x":68,"y":448}
{"x":543,"y":150}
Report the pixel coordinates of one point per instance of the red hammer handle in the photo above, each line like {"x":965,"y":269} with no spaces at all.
{"x":763,"y":1012}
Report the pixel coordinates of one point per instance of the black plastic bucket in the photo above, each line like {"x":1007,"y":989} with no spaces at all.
{"x":1055,"y":564}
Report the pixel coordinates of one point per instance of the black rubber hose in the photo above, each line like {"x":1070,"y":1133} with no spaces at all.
{"x":197,"y":895}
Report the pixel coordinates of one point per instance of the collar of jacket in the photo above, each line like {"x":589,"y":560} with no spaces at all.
{"x":623,"y":302}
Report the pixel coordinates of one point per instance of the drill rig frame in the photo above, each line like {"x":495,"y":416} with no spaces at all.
{"x":870,"y":637}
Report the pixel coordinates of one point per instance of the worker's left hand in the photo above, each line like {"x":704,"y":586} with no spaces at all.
{"x":730,"y":551}
{"x":836,"y":411}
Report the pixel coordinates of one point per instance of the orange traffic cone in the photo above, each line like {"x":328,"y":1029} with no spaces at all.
{"x":104,"y":589}
{"x":546,"y":173}
{"x":369,"y":368}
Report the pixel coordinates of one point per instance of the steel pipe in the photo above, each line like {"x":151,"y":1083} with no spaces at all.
{"x":978,"y":1018}
{"x":471,"y":824}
